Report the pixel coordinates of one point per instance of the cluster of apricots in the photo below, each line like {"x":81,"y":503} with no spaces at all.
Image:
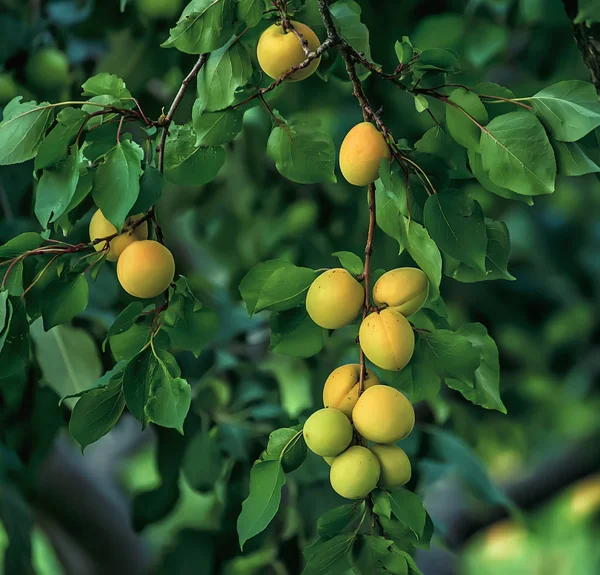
{"x":364,"y":147}
{"x":381,"y":415}
{"x":145,"y":268}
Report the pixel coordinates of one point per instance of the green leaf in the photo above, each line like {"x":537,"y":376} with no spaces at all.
{"x":294,"y":380}
{"x":122,"y":167}
{"x":288,"y":445}
{"x":105,"y":84}
{"x":57,"y":187}
{"x":294,"y":333}
{"x":15,"y":353}
{"x":96,"y":413}
{"x":589,"y":12}
{"x":250,"y":11}
{"x":496,"y":257}
{"x":573,"y":160}
{"x":516,"y":154}
{"x":6,"y":311}
{"x":21,"y":244}
{"x":570,"y":109}
{"x":187,"y":164}
{"x":125,"y":319}
{"x":63,"y":300}
{"x":452,"y":355}
{"x":203,"y":26}
{"x":485,"y":388}
{"x":22,"y":129}
{"x":404,"y":50}
{"x":340,"y":519}
{"x":381,"y":503}
{"x":458,"y":119}
{"x":390,"y":190}
{"x":202,"y":463}
{"x":266,"y":480}
{"x":456,"y":223}
{"x":350,"y":262}
{"x":68,"y":358}
{"x":55,"y":146}
{"x":276,"y":285}
{"x":436,"y":141}
{"x":151,"y":186}
{"x":138,"y":376}
{"x":194,"y":330}
{"x":226,"y":70}
{"x":128,"y":344}
{"x":329,"y":557}
{"x":408,"y":508}
{"x":436,"y":59}
{"x":216,"y":128}
{"x":303,"y":152}
{"x":373,"y":556}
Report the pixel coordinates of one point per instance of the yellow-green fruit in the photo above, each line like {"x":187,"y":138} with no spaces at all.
{"x":327,"y":432}
{"x":145,"y":269}
{"x":278,"y":51}
{"x":585,"y":498}
{"x":403,"y":289}
{"x":361,"y":153}
{"x":329,"y":460}
{"x":383,"y":415}
{"x":100,"y":227}
{"x":355,"y":473}
{"x":48,"y":69}
{"x":156,"y":9}
{"x":334,"y":299}
{"x":387,"y":339}
{"x":8,"y":88}
{"x":395,"y":465}
{"x":341,"y":388}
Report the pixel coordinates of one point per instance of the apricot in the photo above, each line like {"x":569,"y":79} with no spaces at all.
{"x":48,"y":69}
{"x":341,"y":388}
{"x":334,"y":299}
{"x":8,"y":88}
{"x":585,"y":498}
{"x":383,"y":415}
{"x":327,"y":432}
{"x":403,"y":289}
{"x":145,"y":269}
{"x":278,"y":51}
{"x":100,"y":227}
{"x":361,"y":153}
{"x":329,"y":460}
{"x":387,"y":339}
{"x":395,"y":465}
{"x":355,"y":473}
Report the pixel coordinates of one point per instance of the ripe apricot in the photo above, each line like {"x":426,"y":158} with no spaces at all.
{"x":387,"y":339}
{"x":334,"y":299}
{"x":327,"y":432}
{"x":278,"y":51}
{"x":361,"y":153}
{"x":145,"y":269}
{"x":341,"y":388}
{"x":355,"y":473}
{"x":383,"y":415}
{"x":403,"y":289}
{"x":395,"y":465}
{"x":100,"y":227}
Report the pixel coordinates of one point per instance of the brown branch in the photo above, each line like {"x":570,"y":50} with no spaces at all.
{"x":166,"y":121}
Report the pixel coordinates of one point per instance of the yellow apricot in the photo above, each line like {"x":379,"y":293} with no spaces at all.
{"x":334,"y":299}
{"x":585,"y":498}
{"x":504,"y":540}
{"x":383,"y":415}
{"x":145,"y":269}
{"x":327,"y":432}
{"x":341,"y":388}
{"x":361,"y":153}
{"x":355,"y":473}
{"x":395,"y":465}
{"x":278,"y":51}
{"x":403,"y":289}
{"x":100,"y":227}
{"x":387,"y":339}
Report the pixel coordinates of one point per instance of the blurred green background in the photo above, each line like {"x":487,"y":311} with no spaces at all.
{"x":125,"y":507}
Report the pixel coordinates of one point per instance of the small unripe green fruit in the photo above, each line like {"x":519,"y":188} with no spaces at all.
{"x":48,"y":69}
{"x":403,"y":290}
{"x":334,"y":299}
{"x":327,"y":432}
{"x":355,"y":473}
{"x":278,"y":51}
{"x":100,"y":227}
{"x":387,"y":339}
{"x":341,"y":388}
{"x":157,"y":9}
{"x":8,"y":88}
{"x":361,"y":153}
{"x":395,"y":465}
{"x":383,"y":415}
